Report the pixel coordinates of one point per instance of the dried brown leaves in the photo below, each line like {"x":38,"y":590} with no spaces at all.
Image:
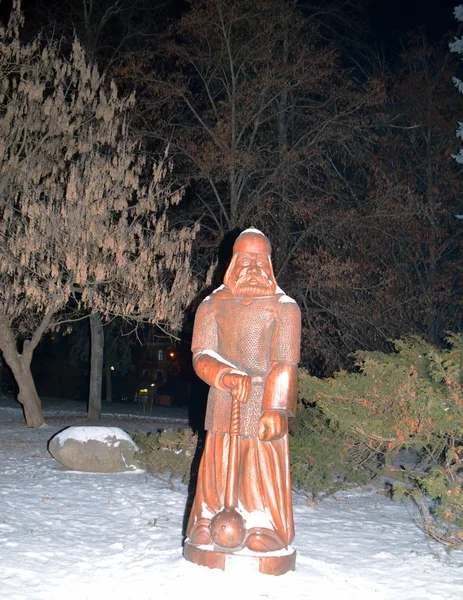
{"x":80,"y":215}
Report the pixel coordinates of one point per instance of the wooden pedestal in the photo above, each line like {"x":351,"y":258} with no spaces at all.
{"x":269,"y":563}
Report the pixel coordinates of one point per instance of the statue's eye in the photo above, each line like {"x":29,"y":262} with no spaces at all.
{"x":245,"y":262}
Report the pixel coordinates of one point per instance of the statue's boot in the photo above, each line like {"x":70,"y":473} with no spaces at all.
{"x":200,"y":533}
{"x":261,"y":539}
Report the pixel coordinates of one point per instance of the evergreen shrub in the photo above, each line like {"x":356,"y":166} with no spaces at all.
{"x":170,"y":450}
{"x":352,"y":427}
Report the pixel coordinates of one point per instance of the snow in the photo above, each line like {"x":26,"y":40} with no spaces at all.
{"x":223,"y":360}
{"x":108,"y":435}
{"x":81,"y":536}
{"x":458,"y":12}
{"x":286,"y":299}
{"x":252,"y":230}
{"x":255,"y":519}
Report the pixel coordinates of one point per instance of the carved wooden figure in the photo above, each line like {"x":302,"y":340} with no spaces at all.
{"x":246,"y":343}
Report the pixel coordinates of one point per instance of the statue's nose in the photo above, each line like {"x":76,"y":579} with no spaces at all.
{"x":253,"y":268}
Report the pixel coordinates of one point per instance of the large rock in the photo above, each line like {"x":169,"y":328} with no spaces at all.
{"x":94,"y":449}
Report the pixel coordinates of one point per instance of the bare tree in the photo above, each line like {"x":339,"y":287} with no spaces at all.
{"x":389,"y":263}
{"x":106,"y":28}
{"x":260,"y":116}
{"x":418,"y":154}
{"x":82,"y":221}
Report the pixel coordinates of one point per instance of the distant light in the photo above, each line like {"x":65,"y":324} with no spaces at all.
{"x":112,"y":368}
{"x":171,"y":354}
{"x":144,"y":391}
{"x":152,"y":385}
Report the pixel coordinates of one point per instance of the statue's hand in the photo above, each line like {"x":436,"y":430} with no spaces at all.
{"x":239,"y":385}
{"x":273,"y":425}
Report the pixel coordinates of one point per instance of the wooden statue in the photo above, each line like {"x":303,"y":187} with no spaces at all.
{"x":246,"y":343}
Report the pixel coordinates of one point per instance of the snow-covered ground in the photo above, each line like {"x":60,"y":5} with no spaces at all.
{"x":77,"y":536}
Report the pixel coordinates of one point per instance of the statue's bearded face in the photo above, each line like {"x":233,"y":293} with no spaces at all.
{"x":252,"y":275}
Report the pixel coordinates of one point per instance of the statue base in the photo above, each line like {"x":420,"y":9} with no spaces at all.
{"x":269,"y":563}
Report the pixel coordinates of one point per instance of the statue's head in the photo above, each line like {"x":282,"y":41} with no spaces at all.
{"x":250,"y":272}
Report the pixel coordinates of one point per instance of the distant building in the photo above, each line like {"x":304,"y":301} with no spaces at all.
{"x":159,"y":361}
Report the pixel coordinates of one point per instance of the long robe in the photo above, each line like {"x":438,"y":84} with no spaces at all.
{"x":261,"y":338}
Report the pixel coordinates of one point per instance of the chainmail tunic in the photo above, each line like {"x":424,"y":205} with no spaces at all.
{"x":249,"y":336}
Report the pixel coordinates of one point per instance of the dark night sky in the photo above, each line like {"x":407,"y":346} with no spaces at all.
{"x":391,"y":18}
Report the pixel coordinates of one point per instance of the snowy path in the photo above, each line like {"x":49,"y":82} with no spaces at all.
{"x":69,"y":536}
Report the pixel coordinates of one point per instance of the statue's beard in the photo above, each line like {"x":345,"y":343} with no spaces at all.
{"x":261,"y":286}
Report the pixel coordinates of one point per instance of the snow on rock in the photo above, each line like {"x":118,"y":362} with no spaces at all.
{"x":94,"y":449}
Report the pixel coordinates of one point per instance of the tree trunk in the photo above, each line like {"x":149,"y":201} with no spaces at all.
{"x":283,"y":237}
{"x":109,"y":384}
{"x":96,"y":367}
{"x":20,"y":366}
{"x":433,"y":242}
{"x":29,"y":398}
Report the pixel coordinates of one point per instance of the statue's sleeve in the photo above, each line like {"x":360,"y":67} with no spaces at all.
{"x":207,"y":362}
{"x":280,"y":391}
